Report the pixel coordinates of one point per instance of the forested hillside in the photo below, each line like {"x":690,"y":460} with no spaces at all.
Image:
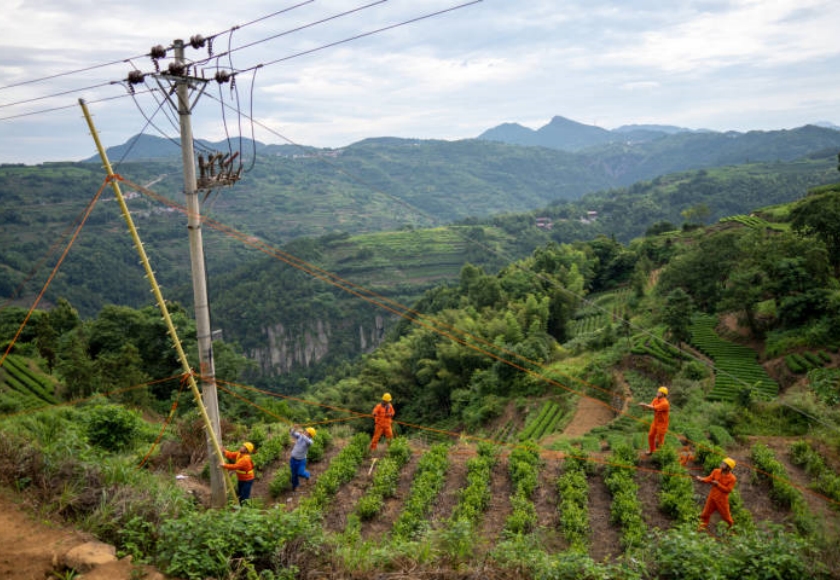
{"x":295,"y":326}
{"x":520,"y":448}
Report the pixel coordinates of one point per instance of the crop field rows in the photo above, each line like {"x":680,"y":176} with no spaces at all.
{"x":736,"y":366}
{"x":749,"y":221}
{"x":653,"y":344}
{"x":599,"y":311}
{"x":573,"y":504}
{"x":21,"y":388}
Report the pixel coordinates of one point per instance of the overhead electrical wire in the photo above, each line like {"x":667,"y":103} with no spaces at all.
{"x":364,"y":35}
{"x":265,"y":64}
{"x":125,"y":60}
{"x":194,"y":63}
{"x":63,"y":107}
{"x":61,"y":94}
{"x":292,"y":31}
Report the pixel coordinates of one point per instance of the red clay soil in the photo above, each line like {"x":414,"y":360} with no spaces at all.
{"x":33,"y":548}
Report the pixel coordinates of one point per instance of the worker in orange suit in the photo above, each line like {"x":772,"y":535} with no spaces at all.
{"x":722,"y":481}
{"x":243,"y":466}
{"x":659,"y":426}
{"x":383,"y":414}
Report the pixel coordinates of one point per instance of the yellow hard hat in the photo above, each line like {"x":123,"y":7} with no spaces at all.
{"x":386,"y":397}
{"x":249,"y":446}
{"x":663,"y":390}
{"x":311,"y":430}
{"x":730,"y":462}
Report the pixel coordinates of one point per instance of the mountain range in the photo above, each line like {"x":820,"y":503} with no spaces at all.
{"x":560,"y":133}
{"x":567,"y":135}
{"x":396,"y":215}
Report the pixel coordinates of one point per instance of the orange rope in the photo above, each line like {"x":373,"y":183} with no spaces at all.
{"x":75,"y":235}
{"x":182,"y":383}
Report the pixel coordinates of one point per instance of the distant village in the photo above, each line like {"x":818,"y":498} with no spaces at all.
{"x":546,"y":223}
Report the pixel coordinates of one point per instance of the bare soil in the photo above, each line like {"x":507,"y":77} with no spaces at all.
{"x":33,"y":548}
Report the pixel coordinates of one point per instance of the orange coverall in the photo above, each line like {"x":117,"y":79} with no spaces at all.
{"x":382,"y":415}
{"x":659,"y":426}
{"x":718,"y":500}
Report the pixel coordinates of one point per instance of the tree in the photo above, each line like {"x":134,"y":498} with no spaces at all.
{"x":75,"y":366}
{"x":677,"y":314}
{"x":819,"y":216}
{"x":696,"y":214}
{"x":63,"y":317}
{"x":46,"y":340}
{"x":703,"y":270}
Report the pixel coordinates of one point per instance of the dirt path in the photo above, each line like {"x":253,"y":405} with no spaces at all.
{"x":593,"y":413}
{"x":590,"y":413}
{"x":33,"y":549}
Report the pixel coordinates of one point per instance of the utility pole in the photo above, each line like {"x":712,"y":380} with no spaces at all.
{"x":199,"y":278}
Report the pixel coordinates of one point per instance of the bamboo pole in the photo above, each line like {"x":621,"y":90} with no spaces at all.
{"x":150,"y":275}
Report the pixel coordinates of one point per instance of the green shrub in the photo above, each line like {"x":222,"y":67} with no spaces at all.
{"x":206,"y":545}
{"x":112,"y":427}
{"x":720,"y":436}
{"x":281,"y":482}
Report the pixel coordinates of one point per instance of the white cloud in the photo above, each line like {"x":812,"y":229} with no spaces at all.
{"x":720,"y":64}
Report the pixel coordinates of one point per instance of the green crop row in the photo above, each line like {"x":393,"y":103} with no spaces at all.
{"x":748,"y":220}
{"x":544,"y":423}
{"x":654,"y":344}
{"x":599,"y":311}
{"x":625,"y":509}
{"x":825,"y":480}
{"x":475,"y":497}
{"x":736,"y":366}
{"x":804,"y":362}
{"x":11,"y":401}
{"x":25,"y":381}
{"x":676,"y":494}
{"x":587,"y":325}
{"x":524,"y":469}
{"x":782,"y":493}
{"x":504,"y":432}
{"x":428,"y":481}
{"x":385,"y":479}
{"x":573,"y":490}
{"x":341,"y":470}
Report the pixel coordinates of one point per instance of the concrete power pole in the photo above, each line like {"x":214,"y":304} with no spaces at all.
{"x":199,"y":279}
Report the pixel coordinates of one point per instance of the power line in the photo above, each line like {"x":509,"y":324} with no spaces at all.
{"x":196,"y":41}
{"x":365,"y":34}
{"x":63,"y":107}
{"x":298,"y":29}
{"x":61,"y":94}
{"x":253,"y":68}
{"x":124,"y":60}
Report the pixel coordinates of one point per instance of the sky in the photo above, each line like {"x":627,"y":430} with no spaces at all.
{"x":329,"y":73}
